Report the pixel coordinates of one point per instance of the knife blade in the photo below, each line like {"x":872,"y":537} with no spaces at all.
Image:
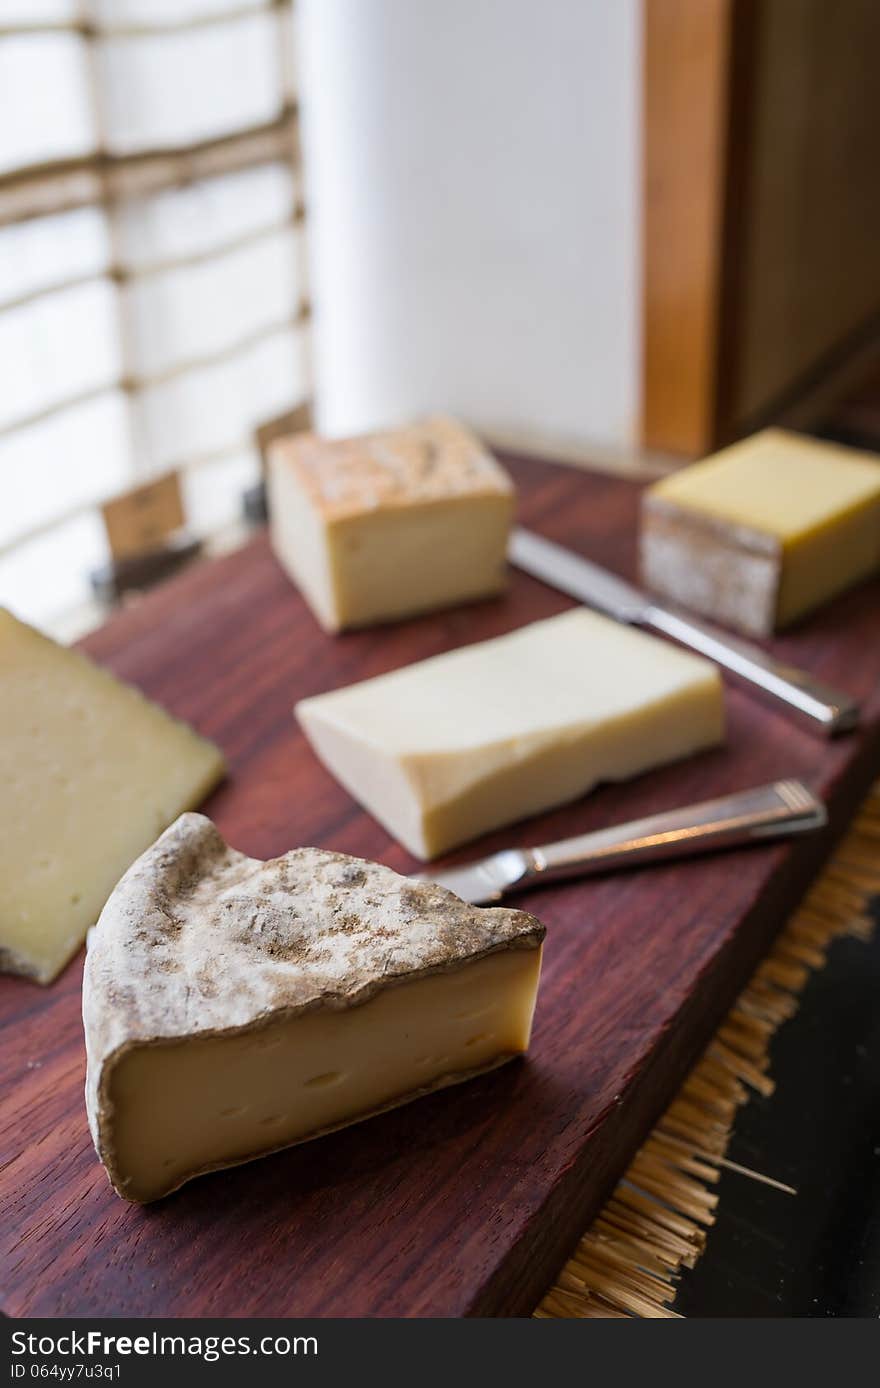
{"x":817,"y":706}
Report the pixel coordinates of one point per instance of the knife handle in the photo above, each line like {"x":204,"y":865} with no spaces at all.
{"x":817,"y":706}
{"x":784,"y":807}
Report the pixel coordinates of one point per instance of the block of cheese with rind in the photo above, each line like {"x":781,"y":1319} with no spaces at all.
{"x":446,"y":749}
{"x":390,"y":524}
{"x":233,"y":1007}
{"x":90,"y":773}
{"x":763,"y":532}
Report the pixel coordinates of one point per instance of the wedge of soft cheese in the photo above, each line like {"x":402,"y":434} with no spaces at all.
{"x":233,"y":1007}
{"x":90,"y":773}
{"x":764,"y":531}
{"x":462,"y":743}
{"x":387,"y":525}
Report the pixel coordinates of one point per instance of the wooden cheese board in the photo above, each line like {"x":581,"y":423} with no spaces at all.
{"x":467,"y":1202}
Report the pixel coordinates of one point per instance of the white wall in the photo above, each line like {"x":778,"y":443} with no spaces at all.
{"x":472,"y":184}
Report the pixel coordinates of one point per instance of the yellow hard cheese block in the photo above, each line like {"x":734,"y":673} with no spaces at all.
{"x":232,"y":1007}
{"x":90,"y":773}
{"x":764,"y":531}
{"x":454,"y":746}
{"x":380,"y":527}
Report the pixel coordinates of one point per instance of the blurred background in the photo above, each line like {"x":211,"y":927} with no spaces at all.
{"x":615,"y":232}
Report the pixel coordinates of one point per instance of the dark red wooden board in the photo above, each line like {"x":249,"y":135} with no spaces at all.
{"x":468,"y":1201}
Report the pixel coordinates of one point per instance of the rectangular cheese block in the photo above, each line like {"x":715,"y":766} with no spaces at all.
{"x":233,"y":1007}
{"x":764,"y":531}
{"x":381,"y":527}
{"x":90,"y":773}
{"x":446,"y":749}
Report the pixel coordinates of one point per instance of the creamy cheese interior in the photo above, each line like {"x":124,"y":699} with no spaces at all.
{"x":299,"y":539}
{"x":90,"y":773}
{"x":828,"y":561}
{"x":183,"y":1107}
{"x":397,"y":562}
{"x":446,"y":749}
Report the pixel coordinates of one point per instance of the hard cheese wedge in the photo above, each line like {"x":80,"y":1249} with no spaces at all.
{"x":233,"y":1007}
{"x":90,"y":773}
{"x":459,"y":744}
{"x":764,"y":531}
{"x":379,"y":527}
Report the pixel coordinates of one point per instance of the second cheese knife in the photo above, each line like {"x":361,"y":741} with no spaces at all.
{"x":749,"y":816}
{"x":817,"y":706}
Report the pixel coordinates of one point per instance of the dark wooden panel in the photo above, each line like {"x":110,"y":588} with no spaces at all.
{"x":807,"y":279}
{"x":466,"y":1202}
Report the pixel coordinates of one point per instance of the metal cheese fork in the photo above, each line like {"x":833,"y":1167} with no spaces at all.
{"x":749,"y":816}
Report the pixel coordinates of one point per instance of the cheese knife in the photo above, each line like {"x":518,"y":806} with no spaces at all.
{"x":815,"y":705}
{"x":749,"y":816}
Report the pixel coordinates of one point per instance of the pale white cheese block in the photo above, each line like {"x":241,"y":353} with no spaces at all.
{"x":380,"y":527}
{"x":446,"y":749}
{"x":233,"y":1007}
{"x":90,"y":773}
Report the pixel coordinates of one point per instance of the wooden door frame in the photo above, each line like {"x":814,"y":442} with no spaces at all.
{"x":695,"y":66}
{"x":698,"y":84}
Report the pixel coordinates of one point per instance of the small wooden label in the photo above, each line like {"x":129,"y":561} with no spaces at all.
{"x":144,"y":517}
{"x":295,"y":421}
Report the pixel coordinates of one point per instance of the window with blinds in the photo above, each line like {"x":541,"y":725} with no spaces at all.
{"x":152,"y":288}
